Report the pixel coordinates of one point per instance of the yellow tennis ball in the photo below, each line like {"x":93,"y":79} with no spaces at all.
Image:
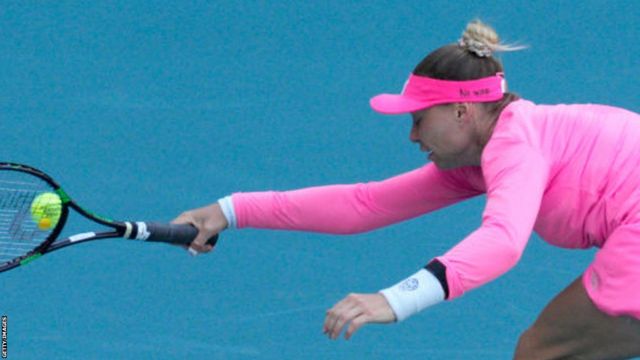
{"x":46,"y":209}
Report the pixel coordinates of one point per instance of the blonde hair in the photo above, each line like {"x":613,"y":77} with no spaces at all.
{"x":482,"y":40}
{"x":470,"y":58}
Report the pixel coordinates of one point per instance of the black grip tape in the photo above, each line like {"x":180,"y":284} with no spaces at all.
{"x":175,"y":233}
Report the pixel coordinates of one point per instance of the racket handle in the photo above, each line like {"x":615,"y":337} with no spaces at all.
{"x":182,"y":234}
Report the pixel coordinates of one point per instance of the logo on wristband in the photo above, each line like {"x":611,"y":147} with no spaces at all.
{"x":409,"y":285}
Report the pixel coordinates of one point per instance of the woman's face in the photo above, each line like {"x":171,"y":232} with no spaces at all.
{"x":447,"y":133}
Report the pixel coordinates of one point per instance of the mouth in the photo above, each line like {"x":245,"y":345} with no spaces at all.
{"x":428,"y":150}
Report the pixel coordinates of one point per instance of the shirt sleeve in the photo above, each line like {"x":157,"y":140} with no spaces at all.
{"x":515,"y":176}
{"x":348,"y":209}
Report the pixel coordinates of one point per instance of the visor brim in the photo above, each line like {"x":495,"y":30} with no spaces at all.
{"x":391,"y":104}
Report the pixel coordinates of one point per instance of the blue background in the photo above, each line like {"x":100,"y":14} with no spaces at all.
{"x":143,"y":109}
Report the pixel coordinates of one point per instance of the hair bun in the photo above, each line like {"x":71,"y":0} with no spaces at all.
{"x":482,"y":40}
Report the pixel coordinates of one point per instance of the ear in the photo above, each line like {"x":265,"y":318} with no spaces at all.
{"x":462,"y":112}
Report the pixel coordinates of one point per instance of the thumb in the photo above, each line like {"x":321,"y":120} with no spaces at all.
{"x":184,"y":218}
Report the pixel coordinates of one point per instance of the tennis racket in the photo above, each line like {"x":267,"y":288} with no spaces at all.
{"x":27,"y":232}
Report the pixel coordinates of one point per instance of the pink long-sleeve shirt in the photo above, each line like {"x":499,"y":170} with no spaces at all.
{"x":569,"y":172}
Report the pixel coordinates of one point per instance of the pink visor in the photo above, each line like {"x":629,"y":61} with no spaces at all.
{"x":421,"y":92}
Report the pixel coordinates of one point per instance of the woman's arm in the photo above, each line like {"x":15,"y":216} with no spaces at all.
{"x":348,"y":209}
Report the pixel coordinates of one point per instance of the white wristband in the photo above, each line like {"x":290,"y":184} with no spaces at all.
{"x":229,"y":212}
{"x":414,"y":294}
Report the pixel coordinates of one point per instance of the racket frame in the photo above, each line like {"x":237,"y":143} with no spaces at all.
{"x":127,"y":230}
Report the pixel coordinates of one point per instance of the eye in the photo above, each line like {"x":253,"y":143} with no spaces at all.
{"x":417,"y":120}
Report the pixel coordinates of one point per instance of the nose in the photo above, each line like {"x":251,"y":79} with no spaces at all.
{"x":413,"y":134}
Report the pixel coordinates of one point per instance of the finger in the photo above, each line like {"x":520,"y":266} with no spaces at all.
{"x":355,"y":325}
{"x":339,"y":315}
{"x":331,"y":315}
{"x":197,"y":245}
{"x":202,"y":239}
{"x":329,"y":320}
{"x":343,"y":319}
{"x":200,"y":248}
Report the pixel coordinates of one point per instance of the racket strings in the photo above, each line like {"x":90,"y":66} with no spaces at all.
{"x":19,"y":233}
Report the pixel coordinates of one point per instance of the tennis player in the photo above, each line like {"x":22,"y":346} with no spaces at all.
{"x":569,"y":172}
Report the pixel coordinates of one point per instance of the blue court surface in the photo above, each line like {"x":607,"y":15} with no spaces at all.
{"x":144,"y":109}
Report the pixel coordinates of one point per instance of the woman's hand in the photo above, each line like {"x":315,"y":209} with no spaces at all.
{"x":209,"y":221}
{"x":357,"y":310}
